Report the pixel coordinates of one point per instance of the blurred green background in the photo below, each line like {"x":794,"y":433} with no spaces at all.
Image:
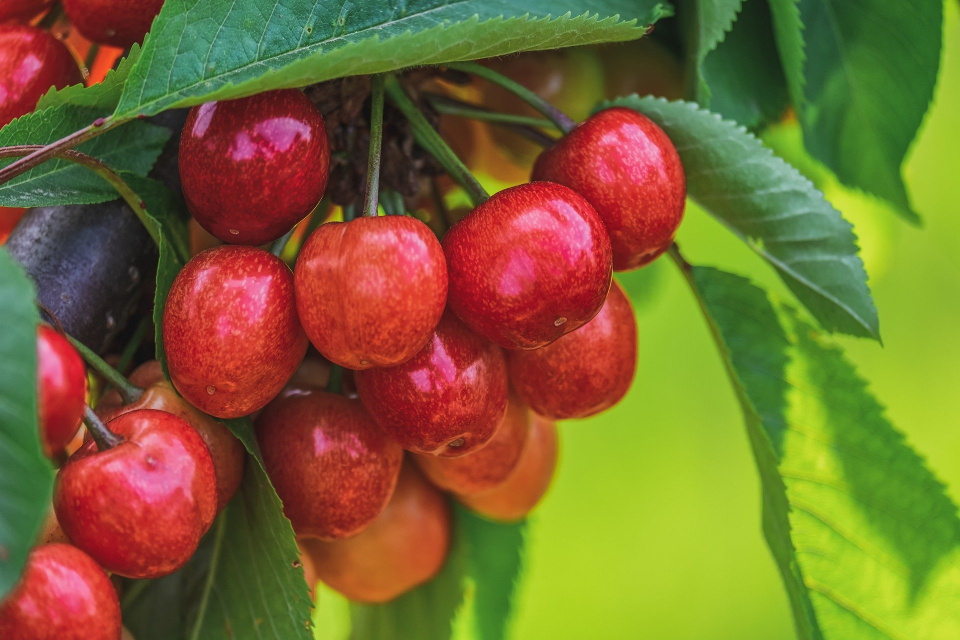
{"x":652,"y":527}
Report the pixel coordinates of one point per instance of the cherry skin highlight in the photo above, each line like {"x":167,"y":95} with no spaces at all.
{"x":31,"y":61}
{"x":118,"y":23}
{"x":22,"y":10}
{"x":332,"y":466}
{"x":371,"y":291}
{"x":230,"y":330}
{"x":226,"y":451}
{"x":516,"y":497}
{"x":61,"y":389}
{"x":252,"y":168}
{"x":582,"y":373}
{"x":490,"y":465}
{"x":529,"y":265}
{"x":447,"y":400}
{"x":62,"y":595}
{"x":403,"y":548}
{"x":629,"y":170}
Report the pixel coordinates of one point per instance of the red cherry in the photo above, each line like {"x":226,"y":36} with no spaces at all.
{"x":61,"y":389}
{"x":31,"y":61}
{"x":629,"y":170}
{"x":62,"y":595}
{"x":529,"y":265}
{"x":140,"y":508}
{"x":370,"y":292}
{"x":447,"y":400}
{"x":332,"y":466}
{"x":230,"y":330}
{"x":119,"y":23}
{"x":488,"y":466}
{"x":254,"y":167}
{"x":582,"y":373}
{"x":404,"y":547}
{"x":22,"y":10}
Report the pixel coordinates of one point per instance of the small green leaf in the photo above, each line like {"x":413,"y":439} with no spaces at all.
{"x":704,"y":25}
{"x":26,"y":476}
{"x":774,"y":209}
{"x":205,"y":50}
{"x":102,"y":96}
{"x":788,"y":32}
{"x":867,"y":542}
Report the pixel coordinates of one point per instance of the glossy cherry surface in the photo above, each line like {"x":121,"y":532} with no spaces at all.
{"x":119,"y":23}
{"x":371,"y":291}
{"x":404,"y":547}
{"x":488,"y":466}
{"x":61,"y":389}
{"x":447,"y":400}
{"x":62,"y":595}
{"x":230,"y":330}
{"x":332,"y":466}
{"x":252,"y":168}
{"x":22,"y":10}
{"x":226,"y":451}
{"x":31,"y":61}
{"x":140,"y":508}
{"x":529,"y":265}
{"x":582,"y":373}
{"x":523,"y":489}
{"x":629,"y":170}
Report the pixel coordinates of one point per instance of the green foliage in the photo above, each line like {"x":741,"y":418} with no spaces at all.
{"x":26,"y":476}
{"x":206,"y":50}
{"x":104,"y":95}
{"x":774,"y":209}
{"x":704,"y":25}
{"x":866,"y":540}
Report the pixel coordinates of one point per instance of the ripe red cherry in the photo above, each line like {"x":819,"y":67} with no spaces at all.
{"x":447,"y":400}
{"x":140,"y":508}
{"x":22,"y":10}
{"x":62,"y":388}
{"x":31,"y":61}
{"x":332,"y":466}
{"x":230,"y":330}
{"x":404,"y":547}
{"x":488,"y":466}
{"x":529,"y":265}
{"x":254,"y":167}
{"x":62,"y":595}
{"x":582,"y":373}
{"x":370,"y":292}
{"x":119,"y":23}
{"x":629,"y":170}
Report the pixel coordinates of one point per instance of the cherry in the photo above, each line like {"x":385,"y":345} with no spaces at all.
{"x":61,"y":389}
{"x":119,"y":23}
{"x":254,"y":167}
{"x":22,"y":10}
{"x":226,"y":451}
{"x":488,"y":466}
{"x":230,"y":330}
{"x":404,"y":547}
{"x":529,"y":265}
{"x":140,"y":508}
{"x":31,"y":61}
{"x":332,"y":466}
{"x":584,"y":372}
{"x":629,"y":170}
{"x":516,"y":497}
{"x":447,"y":400}
{"x":62,"y":595}
{"x":370,"y":292}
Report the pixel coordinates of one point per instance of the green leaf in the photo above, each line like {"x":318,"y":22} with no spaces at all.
{"x":774,"y":209}
{"x":104,"y":95}
{"x":870,"y":72}
{"x":867,"y":542}
{"x":133,"y":148}
{"x":788,"y":31}
{"x":205,"y":50}
{"x":26,"y":476}
{"x":704,"y":25}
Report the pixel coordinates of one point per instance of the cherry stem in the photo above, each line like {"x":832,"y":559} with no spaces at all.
{"x":429,"y":139}
{"x":443,"y":213}
{"x":104,"y":438}
{"x":91,"y":57}
{"x":335,"y":383}
{"x":370,"y":200}
{"x":392,"y":203}
{"x":462,"y":109}
{"x":563,"y":122}
{"x":129,"y":351}
{"x":128,"y":391}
